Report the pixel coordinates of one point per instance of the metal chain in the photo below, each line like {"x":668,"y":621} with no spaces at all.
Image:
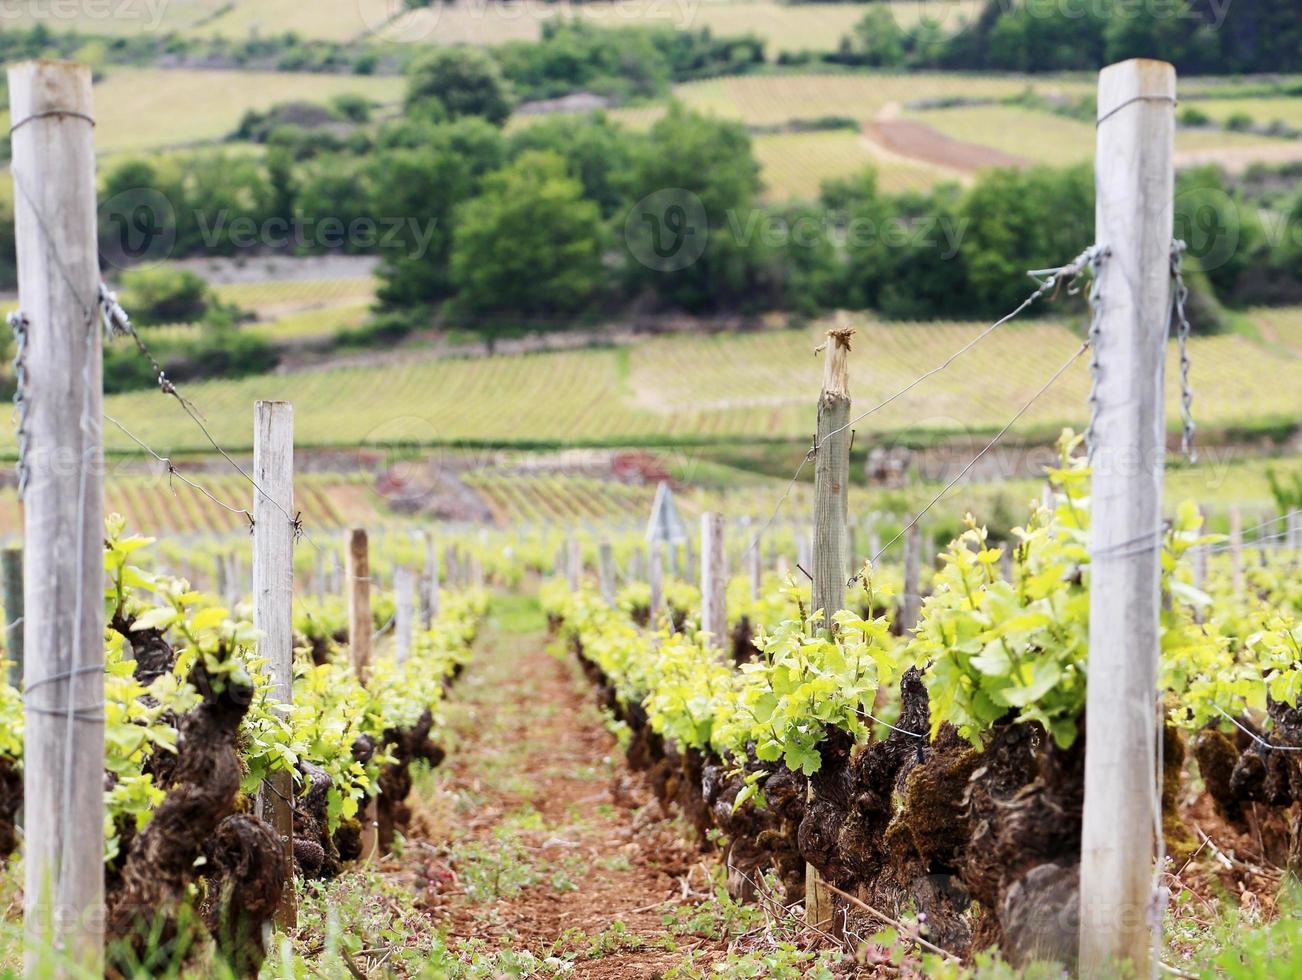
{"x":1180,"y":294}
{"x":1095,"y":335}
{"x":18,"y":324}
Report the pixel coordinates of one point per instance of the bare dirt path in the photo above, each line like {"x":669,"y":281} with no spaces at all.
{"x":552,"y":846}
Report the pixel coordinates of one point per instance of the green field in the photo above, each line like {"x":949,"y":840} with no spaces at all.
{"x":1041,"y":137}
{"x":697,"y":389}
{"x":140,"y":109}
{"x":795,"y":164}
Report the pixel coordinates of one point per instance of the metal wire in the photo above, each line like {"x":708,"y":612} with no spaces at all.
{"x":975,"y":459}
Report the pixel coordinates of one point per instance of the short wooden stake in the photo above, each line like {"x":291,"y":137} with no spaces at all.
{"x":714,"y":582}
{"x":404,"y":611}
{"x":273,"y":597}
{"x":656,"y":579}
{"x":1133,"y":220}
{"x":53,"y":168}
{"x":430,"y":597}
{"x":574,"y":563}
{"x":755,"y":568}
{"x":13,"y":586}
{"x":911,"y":601}
{"x":1238,"y":579}
{"x":606,"y":571}
{"x":360,"y":624}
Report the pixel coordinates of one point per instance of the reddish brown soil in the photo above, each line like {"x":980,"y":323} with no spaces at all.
{"x":532,"y":739}
{"x":920,"y":141}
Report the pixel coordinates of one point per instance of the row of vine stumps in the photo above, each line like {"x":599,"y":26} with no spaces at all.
{"x":982,"y":844}
{"x":206,"y":833}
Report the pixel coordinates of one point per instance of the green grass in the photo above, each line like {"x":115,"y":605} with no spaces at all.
{"x":795,"y":164}
{"x":143,"y":109}
{"x":1042,"y":137}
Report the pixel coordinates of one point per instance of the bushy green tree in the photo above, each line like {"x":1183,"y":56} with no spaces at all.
{"x":461,"y":81}
{"x":165,"y":295}
{"x":529,"y":244}
{"x":599,"y":153}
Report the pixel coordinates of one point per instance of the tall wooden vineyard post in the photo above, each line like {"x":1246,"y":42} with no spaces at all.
{"x":831,"y":506}
{"x":1133,"y":221}
{"x":273,"y":598}
{"x":53,"y":168}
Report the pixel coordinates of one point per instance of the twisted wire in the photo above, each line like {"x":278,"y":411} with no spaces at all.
{"x":1179,"y":296}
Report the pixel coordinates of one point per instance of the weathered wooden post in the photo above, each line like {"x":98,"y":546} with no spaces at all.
{"x":1133,"y":220}
{"x":1293,"y":529}
{"x":404,"y":611}
{"x":430,"y":597}
{"x":13,"y":586}
{"x":656,"y":579}
{"x":832,"y":478}
{"x":273,"y":598}
{"x":831,"y":504}
{"x":1236,"y":550}
{"x":911,"y":600}
{"x":714,"y":582}
{"x":574,"y":563}
{"x":360,"y":635}
{"x":606,"y":571}
{"x":360,"y":624}
{"x":755,"y":568}
{"x":53,"y":168}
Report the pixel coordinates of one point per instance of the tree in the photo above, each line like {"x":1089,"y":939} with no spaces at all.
{"x":530,"y":243}
{"x":414,"y":190}
{"x":703,"y":169}
{"x":598,"y":152}
{"x":462,"y":81}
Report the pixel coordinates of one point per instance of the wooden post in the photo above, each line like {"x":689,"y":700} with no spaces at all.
{"x":430,"y":596}
{"x":755,"y":566}
{"x":574,"y":563}
{"x":273,"y":598}
{"x":360,"y":625}
{"x":404,"y":610}
{"x":831,"y":502}
{"x":714,"y":582}
{"x":13,"y":586}
{"x":656,"y":578}
{"x":606,"y":570}
{"x":360,"y":630}
{"x":53,"y":169}
{"x":1133,"y":215}
{"x":1236,"y":550}
{"x":1293,"y":526}
{"x":911,"y":600}
{"x":832,"y":478}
